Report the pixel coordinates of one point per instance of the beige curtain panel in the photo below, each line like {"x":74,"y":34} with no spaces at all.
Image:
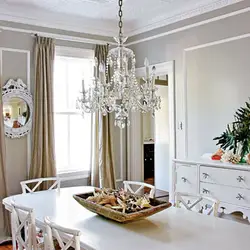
{"x":102,"y":169}
{"x":4,"y":220}
{"x":43,"y":156}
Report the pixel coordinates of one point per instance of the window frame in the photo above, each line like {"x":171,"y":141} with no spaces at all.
{"x":78,"y":53}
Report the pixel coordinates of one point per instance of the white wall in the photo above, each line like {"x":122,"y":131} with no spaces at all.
{"x":148,"y":123}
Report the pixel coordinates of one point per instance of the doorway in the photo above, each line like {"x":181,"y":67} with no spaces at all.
{"x":156,"y":142}
{"x":135,"y":138}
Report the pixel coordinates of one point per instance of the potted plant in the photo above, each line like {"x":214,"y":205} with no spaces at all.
{"x":236,"y":137}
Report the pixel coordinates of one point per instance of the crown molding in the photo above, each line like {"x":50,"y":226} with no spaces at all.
{"x":107,"y":29}
{"x":166,"y":20}
{"x":187,"y":27}
{"x":57,"y":36}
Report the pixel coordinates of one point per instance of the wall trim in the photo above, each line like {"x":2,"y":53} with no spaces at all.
{"x":226,"y":40}
{"x":58,"y":36}
{"x":101,"y":42}
{"x":187,"y":27}
{"x":138,"y":173}
{"x":27,"y":52}
{"x":167,"y":20}
{"x":107,"y":28}
{"x":185,"y":51}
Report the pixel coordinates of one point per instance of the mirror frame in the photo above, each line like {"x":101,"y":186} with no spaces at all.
{"x":18,"y":89}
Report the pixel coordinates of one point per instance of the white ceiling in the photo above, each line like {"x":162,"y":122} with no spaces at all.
{"x":100,"y":16}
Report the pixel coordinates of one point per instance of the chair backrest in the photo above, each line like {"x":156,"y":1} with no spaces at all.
{"x":199,"y":203}
{"x":71,"y":237}
{"x":142,"y":185}
{"x":37,"y":182}
{"x":23,"y":220}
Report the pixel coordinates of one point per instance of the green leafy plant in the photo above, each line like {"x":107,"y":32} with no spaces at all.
{"x":237,"y":136}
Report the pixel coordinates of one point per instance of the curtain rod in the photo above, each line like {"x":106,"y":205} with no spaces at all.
{"x":58,"y":36}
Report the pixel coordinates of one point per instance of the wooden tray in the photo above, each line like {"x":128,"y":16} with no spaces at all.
{"x":109,"y":213}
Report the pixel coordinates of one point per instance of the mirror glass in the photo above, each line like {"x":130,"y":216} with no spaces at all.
{"x":15,"y":112}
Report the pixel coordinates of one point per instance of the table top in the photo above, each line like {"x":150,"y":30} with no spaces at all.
{"x":172,"y":229}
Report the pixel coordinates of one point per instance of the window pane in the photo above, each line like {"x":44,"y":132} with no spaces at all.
{"x":75,"y":76}
{"x":72,"y":131}
{"x":78,"y":69}
{"x":80,"y":141}
{"x":60,"y":84}
{"x":61,"y":141}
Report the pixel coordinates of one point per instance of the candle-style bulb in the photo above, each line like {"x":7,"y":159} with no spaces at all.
{"x":153,"y":76}
{"x":95,"y":67}
{"x":146,"y":63}
{"x":83,"y":87}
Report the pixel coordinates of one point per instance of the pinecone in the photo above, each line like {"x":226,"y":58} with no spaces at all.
{"x":235,"y":159}
{"x":230,"y":157}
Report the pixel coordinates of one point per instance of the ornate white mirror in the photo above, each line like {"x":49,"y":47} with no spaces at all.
{"x":17,"y":109}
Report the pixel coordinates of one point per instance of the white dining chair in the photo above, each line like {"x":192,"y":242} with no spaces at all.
{"x":199,"y":203}
{"x":37,"y":182}
{"x":142,"y":185}
{"x":23,"y":220}
{"x":53,"y":231}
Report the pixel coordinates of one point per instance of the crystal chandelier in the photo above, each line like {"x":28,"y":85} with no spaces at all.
{"x":121,"y":93}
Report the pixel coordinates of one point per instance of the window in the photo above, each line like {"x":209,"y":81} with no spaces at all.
{"x":72,"y":131}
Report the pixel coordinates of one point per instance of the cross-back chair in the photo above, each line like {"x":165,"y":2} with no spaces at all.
{"x":142,"y":185}
{"x":199,"y":203}
{"x":37,"y":182}
{"x":23,"y":220}
{"x":54,"y":230}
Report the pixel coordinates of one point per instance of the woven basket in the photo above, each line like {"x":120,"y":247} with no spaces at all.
{"x":111,"y":214}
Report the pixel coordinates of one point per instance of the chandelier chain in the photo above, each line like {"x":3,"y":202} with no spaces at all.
{"x":120,"y":14}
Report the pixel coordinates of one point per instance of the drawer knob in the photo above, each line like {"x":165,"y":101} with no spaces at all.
{"x":240,"y":178}
{"x":205,"y":191}
{"x":240,"y":197}
{"x":205,"y":175}
{"x":184,"y":179}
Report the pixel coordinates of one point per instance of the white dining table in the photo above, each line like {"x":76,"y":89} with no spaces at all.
{"x":171,"y":229}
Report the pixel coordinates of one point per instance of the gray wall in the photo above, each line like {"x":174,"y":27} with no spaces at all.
{"x":218,"y":83}
{"x":171,"y":47}
{"x":14,"y":65}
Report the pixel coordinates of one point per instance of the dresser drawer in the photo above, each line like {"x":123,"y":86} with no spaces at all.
{"x":233,"y":195}
{"x":186,"y":179}
{"x":228,"y":177}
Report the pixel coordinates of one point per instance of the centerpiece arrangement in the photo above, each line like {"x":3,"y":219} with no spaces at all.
{"x":119,"y":205}
{"x":234,"y":142}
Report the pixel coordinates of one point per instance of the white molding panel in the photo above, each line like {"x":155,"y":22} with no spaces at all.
{"x":27,"y":52}
{"x":186,"y":50}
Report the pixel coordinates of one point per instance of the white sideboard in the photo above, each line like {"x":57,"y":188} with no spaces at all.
{"x":229,"y":183}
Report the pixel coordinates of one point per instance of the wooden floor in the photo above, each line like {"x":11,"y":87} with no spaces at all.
{"x":6,"y":247}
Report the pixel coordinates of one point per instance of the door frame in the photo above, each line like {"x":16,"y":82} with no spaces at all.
{"x":135,"y":135}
